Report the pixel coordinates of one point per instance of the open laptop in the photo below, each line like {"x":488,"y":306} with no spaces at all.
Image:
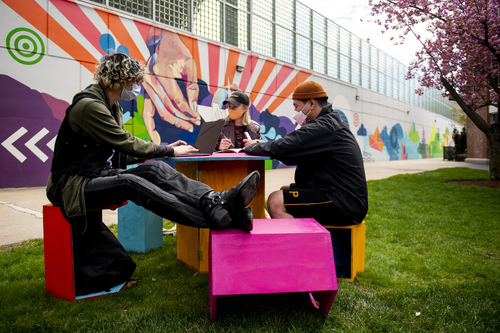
{"x":207,"y":138}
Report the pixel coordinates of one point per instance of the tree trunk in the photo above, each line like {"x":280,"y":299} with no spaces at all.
{"x":495,"y":151}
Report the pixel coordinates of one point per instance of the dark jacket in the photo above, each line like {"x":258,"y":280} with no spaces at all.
{"x":253,"y":130}
{"x":327,"y":157}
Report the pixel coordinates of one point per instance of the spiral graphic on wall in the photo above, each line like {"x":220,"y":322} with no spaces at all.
{"x":25,"y":46}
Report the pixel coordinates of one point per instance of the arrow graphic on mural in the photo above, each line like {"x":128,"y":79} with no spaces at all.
{"x":30,"y":144}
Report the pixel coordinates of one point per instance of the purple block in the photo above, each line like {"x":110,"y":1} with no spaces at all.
{"x":277,"y":256}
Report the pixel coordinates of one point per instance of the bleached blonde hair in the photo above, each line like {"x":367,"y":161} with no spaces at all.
{"x":117,"y":69}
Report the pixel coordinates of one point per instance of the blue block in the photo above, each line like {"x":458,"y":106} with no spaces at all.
{"x":139,"y":230}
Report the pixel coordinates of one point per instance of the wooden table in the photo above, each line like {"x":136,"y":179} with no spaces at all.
{"x":220,"y":171}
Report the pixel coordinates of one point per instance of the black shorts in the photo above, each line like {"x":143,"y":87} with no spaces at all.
{"x":302,"y":203}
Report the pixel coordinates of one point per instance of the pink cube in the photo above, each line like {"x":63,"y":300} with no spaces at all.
{"x":277,"y":256}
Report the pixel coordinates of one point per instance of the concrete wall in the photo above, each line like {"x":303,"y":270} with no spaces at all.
{"x":49,"y":49}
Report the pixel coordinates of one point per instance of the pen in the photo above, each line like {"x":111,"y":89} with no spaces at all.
{"x":225,"y":137}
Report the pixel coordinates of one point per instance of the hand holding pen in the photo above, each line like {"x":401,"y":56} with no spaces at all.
{"x":225,"y":143}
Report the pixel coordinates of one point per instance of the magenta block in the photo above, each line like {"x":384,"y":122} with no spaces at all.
{"x":277,"y":256}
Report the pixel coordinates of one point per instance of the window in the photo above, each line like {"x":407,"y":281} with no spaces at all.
{"x":264,"y":8}
{"x":142,"y":8}
{"x":355,"y":72}
{"x":345,"y":72}
{"x":319,"y":54}
{"x":333,"y":63}
{"x":237,"y":28}
{"x":174,"y":13}
{"x":207,"y":19}
{"x":365,"y":76}
{"x":319,"y":28}
{"x":286,"y":11}
{"x":263,"y":36}
{"x":303,"y":52}
{"x":303,"y":23}
{"x":241,"y":4}
{"x":285,"y":45}
{"x":355,"y":48}
{"x":345,"y":42}
{"x":333,"y":36}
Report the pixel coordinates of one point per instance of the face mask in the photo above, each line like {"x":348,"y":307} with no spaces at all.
{"x":129,"y":95}
{"x":236,"y":114}
{"x":300,"y":117}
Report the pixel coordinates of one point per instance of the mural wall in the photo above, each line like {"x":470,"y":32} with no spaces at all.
{"x":49,"y":50}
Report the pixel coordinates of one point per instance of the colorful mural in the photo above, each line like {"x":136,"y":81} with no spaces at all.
{"x":50,"y":49}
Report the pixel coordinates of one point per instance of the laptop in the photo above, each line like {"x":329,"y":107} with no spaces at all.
{"x":207,"y":138}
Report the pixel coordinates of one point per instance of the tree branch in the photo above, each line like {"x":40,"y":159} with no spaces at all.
{"x":476,"y":119}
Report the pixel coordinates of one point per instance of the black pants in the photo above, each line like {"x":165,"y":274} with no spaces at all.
{"x":315,"y":204}
{"x":155,"y":186}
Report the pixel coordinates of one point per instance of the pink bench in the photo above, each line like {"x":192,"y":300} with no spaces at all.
{"x":277,"y":256}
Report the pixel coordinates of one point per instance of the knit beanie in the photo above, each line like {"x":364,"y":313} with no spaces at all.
{"x":308,"y":90}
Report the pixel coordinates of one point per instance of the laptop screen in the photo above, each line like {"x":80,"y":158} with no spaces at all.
{"x":208,"y":136}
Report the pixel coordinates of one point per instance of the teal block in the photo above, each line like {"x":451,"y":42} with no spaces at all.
{"x":139,"y":230}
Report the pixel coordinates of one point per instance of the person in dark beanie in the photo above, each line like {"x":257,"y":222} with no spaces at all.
{"x":330,"y":184}
{"x":238,"y":122}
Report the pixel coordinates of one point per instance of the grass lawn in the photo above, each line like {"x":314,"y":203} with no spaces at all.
{"x":432,"y":265}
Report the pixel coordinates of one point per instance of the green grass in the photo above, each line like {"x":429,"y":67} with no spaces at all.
{"x":431,"y":248}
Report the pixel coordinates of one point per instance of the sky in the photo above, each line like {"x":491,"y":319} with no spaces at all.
{"x":348,"y":14}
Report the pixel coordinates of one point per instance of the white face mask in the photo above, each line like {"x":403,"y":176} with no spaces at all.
{"x":300,"y":117}
{"x":129,"y":95}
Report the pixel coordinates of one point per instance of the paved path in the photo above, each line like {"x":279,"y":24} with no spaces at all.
{"x":21,"y":208}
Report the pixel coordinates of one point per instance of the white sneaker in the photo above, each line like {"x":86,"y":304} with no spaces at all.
{"x":172,"y":231}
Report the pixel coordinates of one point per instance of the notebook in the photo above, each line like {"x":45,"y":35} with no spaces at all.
{"x":207,"y":138}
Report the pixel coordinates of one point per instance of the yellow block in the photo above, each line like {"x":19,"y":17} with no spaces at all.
{"x":348,"y":249}
{"x":192,"y":243}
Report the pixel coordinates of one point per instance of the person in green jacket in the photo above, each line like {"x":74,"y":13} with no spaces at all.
{"x":92,"y":150}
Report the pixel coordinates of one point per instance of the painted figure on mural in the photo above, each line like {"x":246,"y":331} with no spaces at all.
{"x":171,"y":84}
{"x":92,"y":150}
{"x":173,"y":94}
{"x":239,"y":129}
{"x":330,"y":184}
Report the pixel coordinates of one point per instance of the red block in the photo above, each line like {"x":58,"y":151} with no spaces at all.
{"x":58,"y":253}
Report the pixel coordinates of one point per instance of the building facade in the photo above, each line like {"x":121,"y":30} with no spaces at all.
{"x":196,"y":52}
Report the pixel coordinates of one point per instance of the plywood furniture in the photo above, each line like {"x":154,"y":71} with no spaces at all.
{"x":349,"y":249}
{"x":220,"y":171}
{"x":58,"y":254}
{"x":277,"y":256}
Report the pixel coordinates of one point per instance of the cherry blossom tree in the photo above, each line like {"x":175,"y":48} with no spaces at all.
{"x":461,"y":56}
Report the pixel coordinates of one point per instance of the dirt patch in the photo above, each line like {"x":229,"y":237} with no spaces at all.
{"x":490,"y":183}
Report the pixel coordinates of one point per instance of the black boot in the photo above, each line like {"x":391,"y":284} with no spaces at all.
{"x":222,"y":207}
{"x":244,"y":221}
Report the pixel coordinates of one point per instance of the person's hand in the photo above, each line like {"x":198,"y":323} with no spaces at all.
{"x":171,"y":60}
{"x":250,"y":142}
{"x":285,"y":187}
{"x":181,"y":150}
{"x":178,"y":143}
{"x":225,"y":144}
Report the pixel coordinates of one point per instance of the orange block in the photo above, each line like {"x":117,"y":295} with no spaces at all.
{"x":192,"y":243}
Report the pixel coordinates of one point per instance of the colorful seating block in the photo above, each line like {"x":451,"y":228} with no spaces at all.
{"x":277,"y":256}
{"x":139,"y":230}
{"x":349,"y":249}
{"x":58,"y":254}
